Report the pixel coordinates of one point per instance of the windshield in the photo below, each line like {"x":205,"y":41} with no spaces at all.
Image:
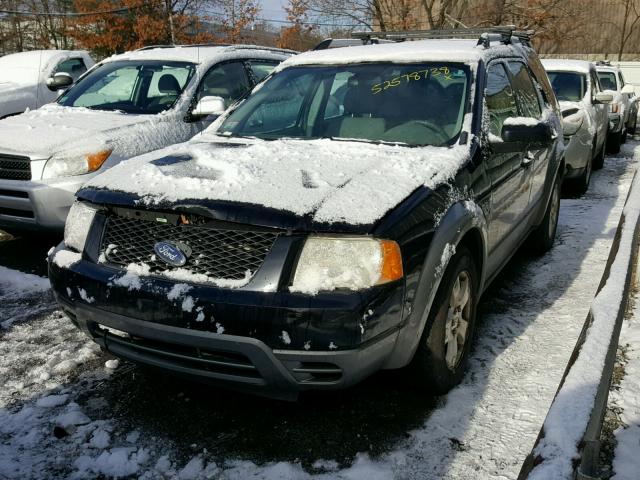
{"x":607,"y":80}
{"x":568,"y":86}
{"x":131,"y":87}
{"x":415,"y":104}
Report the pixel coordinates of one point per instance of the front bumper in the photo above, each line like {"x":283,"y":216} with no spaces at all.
{"x":270,"y":343}
{"x":30,"y":205}
{"x":238,"y":363}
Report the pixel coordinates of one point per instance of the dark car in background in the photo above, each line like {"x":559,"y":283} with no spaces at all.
{"x":343,"y":218}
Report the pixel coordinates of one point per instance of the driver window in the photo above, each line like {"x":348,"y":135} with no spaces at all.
{"x":72,"y":66}
{"x":501,"y":103}
{"x":227,"y":80}
{"x":525,"y":91}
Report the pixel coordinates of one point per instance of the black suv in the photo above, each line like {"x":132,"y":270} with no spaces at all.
{"x":343,"y":218}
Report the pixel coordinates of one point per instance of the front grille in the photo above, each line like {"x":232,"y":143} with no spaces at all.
{"x":219,"y":253}
{"x":13,"y":212}
{"x":15,"y":168}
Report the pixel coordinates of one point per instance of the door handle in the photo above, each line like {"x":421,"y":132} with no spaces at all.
{"x":527,"y":159}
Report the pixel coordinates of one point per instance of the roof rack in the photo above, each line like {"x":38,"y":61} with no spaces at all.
{"x":239,"y":47}
{"x":504,"y":34}
{"x":329,"y":43}
{"x":604,"y":63}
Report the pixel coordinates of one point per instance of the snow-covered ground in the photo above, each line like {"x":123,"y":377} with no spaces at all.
{"x":54,"y":425}
{"x":626,"y":398}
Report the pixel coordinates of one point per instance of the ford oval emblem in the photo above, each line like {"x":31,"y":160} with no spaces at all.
{"x":170,"y":254}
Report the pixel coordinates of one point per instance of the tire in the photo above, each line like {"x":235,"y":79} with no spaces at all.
{"x":580,"y":185}
{"x":613,"y":142}
{"x":436,"y":366}
{"x":624,"y":137}
{"x":543,"y":237}
{"x":598,"y":160}
{"x":632,"y":128}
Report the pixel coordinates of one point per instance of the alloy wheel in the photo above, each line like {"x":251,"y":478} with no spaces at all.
{"x":457,"y":323}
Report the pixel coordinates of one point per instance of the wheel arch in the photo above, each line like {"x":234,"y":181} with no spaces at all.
{"x":463,"y":224}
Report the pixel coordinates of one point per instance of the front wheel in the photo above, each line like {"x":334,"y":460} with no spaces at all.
{"x":439,"y":362}
{"x":581,"y":184}
{"x":542,"y":238}
{"x":598,"y":160}
{"x":613,"y":142}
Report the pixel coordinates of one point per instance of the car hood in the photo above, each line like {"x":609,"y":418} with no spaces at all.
{"x":8,"y":87}
{"x":53,"y":128}
{"x":324,"y":182}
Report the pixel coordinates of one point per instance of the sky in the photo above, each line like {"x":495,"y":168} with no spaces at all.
{"x":273,"y":9}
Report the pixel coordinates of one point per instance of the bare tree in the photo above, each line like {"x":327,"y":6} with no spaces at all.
{"x":629,"y":24}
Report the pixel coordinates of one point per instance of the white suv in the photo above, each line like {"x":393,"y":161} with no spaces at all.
{"x":26,"y":78}
{"x":623,"y":112}
{"x":125,"y":106}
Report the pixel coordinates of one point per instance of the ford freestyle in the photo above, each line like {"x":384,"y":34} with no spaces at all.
{"x":345,"y":217}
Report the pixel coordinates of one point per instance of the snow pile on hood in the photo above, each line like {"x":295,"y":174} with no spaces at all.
{"x":334,"y":181}
{"x":58,"y":128}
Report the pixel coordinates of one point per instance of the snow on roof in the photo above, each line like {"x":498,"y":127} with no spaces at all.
{"x":564,"y":65}
{"x":31,"y":60}
{"x":193,"y":54}
{"x":405,"y":52}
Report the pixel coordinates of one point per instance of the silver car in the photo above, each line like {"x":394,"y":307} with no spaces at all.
{"x":127,"y":105}
{"x":585,"y":117}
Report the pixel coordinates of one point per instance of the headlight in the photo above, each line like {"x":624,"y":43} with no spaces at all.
{"x":65,"y":166}
{"x":354,"y":263}
{"x":78,"y":224}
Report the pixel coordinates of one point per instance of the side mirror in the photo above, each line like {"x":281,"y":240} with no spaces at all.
{"x":59,"y":81}
{"x":520,"y":133}
{"x":208,"y":106}
{"x":604,"y":97}
{"x":628,"y":89}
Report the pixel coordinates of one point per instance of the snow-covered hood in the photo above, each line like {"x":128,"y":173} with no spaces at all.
{"x":324,"y":181}
{"x":53,"y":129}
{"x":566,"y":106}
{"x":8,"y":87}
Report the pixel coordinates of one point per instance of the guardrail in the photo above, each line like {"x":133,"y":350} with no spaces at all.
{"x":568,"y":445}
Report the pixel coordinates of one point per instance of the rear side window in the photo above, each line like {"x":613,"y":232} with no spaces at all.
{"x":500,"y":99}
{"x":525,"y":90}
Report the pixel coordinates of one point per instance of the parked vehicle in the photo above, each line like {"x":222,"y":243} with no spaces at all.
{"x":127,"y":105}
{"x":623,"y":110}
{"x":29,"y":80}
{"x":344,"y":218}
{"x":585,"y":117}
